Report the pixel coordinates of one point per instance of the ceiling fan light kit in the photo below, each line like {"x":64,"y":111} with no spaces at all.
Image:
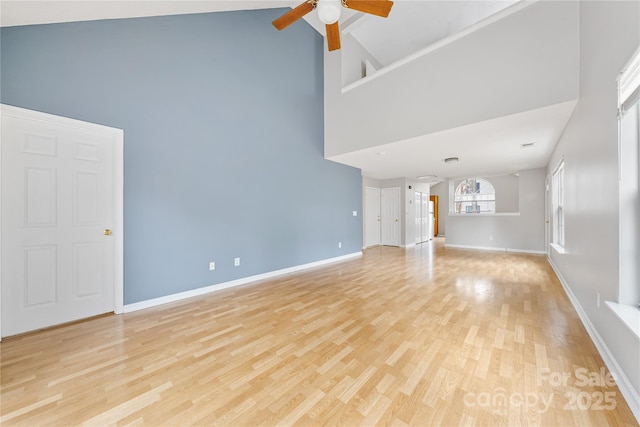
{"x":329,"y":13}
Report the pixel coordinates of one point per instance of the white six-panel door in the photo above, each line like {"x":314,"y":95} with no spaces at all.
{"x":390,"y":216}
{"x":422,"y":217}
{"x":426,"y":235}
{"x":61,"y":220}
{"x":418,"y":220}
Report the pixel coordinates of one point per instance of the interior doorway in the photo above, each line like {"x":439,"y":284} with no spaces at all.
{"x":434,"y":200}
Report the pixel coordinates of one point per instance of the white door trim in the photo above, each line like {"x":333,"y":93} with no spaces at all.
{"x":118,"y":177}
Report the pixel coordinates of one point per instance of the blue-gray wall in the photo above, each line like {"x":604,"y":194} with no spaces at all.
{"x":223,"y":152}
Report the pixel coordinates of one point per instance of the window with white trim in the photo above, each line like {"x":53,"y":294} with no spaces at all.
{"x":557,"y":198}
{"x":475,"y":195}
{"x":629,"y":183}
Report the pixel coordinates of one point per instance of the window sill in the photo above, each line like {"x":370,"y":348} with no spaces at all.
{"x":629,"y":315}
{"x":485,"y":214}
{"x":559,"y":249}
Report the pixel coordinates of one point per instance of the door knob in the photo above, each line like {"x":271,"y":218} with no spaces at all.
{"x":107,"y":232}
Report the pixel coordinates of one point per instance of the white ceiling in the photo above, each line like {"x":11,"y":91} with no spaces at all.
{"x":414,"y":25}
{"x":493,"y":147}
{"x":27,"y":12}
{"x":487,"y":148}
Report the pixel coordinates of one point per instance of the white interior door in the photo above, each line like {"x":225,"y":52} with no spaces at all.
{"x":422,"y":217}
{"x":430,"y":218}
{"x":425,"y":217}
{"x":417,"y":200}
{"x":61,"y":220}
{"x":372,"y":216}
{"x":390,"y":216}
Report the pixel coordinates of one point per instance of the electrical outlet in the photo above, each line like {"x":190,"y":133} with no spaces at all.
{"x":236,"y":262}
{"x":598,"y":299}
{"x":339,"y":244}
{"x":212,"y":265}
{"x":355,"y":213}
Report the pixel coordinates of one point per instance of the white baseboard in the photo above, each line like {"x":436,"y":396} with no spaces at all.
{"x":128,"y":308}
{"x":630,"y":394}
{"x":489,"y":248}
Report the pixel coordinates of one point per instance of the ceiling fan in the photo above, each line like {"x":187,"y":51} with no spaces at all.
{"x":329,"y":13}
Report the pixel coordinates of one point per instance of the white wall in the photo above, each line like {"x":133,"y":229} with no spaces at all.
{"x":507,"y":192}
{"x":517,"y":232}
{"x":525,"y":61}
{"x":609,"y":34}
{"x":371,"y":182}
{"x":353,"y":58}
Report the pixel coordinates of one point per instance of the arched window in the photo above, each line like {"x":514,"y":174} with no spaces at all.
{"x":475,"y":195}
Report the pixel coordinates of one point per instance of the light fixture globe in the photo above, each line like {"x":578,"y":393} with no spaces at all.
{"x":329,"y":11}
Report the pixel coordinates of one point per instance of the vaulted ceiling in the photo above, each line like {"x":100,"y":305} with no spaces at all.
{"x":488,"y":146}
{"x":415,"y":25}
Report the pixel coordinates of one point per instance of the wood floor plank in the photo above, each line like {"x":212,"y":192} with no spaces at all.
{"x":402,"y":337}
{"x":113,"y":415}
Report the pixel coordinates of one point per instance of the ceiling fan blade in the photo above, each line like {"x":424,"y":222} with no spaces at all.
{"x":374,"y":7}
{"x":293,"y":15}
{"x":333,"y":36}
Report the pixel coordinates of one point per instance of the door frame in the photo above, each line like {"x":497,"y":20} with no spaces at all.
{"x":118,"y":188}
{"x":434,"y":198}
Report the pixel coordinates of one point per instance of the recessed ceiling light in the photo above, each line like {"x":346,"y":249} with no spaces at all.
{"x":451,"y":159}
{"x":381,"y":153}
{"x":426,"y":177}
{"x":528,"y":144}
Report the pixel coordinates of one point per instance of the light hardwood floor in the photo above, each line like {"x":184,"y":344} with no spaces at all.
{"x":425,"y":336}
